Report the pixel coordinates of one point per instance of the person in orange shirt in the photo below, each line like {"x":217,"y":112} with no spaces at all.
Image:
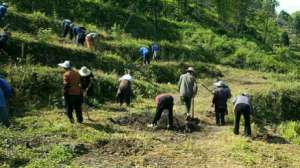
{"x":72,"y":92}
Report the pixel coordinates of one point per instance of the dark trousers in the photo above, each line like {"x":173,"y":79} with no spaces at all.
{"x":220,"y":116}
{"x":68,"y":30}
{"x":74,"y":102}
{"x":242,"y":109}
{"x":187,"y":102}
{"x":124,"y":98}
{"x":146,"y":59}
{"x":166,"y":103}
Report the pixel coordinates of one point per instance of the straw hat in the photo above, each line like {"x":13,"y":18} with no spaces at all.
{"x":219,"y":84}
{"x":84,"y":71}
{"x":190,"y":69}
{"x":66,"y":65}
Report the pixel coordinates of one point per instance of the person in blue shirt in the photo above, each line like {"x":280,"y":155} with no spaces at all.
{"x":155,"y":50}
{"x":5,"y":93}
{"x":3,"y":10}
{"x":145,"y":55}
{"x":68,"y":26}
{"x":79,"y":33}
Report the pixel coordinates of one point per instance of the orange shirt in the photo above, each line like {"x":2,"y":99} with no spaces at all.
{"x":72,"y":79}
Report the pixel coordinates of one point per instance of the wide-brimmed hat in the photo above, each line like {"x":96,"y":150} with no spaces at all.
{"x":190,"y":69}
{"x":84,"y":71}
{"x":66,"y":64}
{"x":126,"y":77}
{"x":219,"y":84}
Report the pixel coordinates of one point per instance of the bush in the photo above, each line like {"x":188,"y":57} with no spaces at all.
{"x":281,"y":103}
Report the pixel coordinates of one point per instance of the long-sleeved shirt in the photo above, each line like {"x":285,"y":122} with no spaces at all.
{"x":5,"y":92}
{"x":187,"y":85}
{"x":144,"y":51}
{"x":221,"y":95}
{"x":242,"y":100}
{"x":3,"y":10}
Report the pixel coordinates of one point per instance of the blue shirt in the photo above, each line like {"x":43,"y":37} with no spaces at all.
{"x":3,"y":11}
{"x":5,"y":92}
{"x":144,"y":51}
{"x":155,"y":47}
{"x":78,"y":30}
{"x":6,"y":88}
{"x":2,"y":99}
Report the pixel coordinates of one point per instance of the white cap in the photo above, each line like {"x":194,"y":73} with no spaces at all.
{"x":219,"y":84}
{"x":126,"y":77}
{"x":84,"y":71}
{"x":66,"y":64}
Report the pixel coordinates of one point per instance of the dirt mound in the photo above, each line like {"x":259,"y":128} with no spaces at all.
{"x":122,"y":147}
{"x":140,"y":121}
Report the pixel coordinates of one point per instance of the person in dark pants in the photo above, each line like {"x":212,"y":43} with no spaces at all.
{"x":145,"y":55}
{"x":187,"y":86}
{"x":242,"y":106}
{"x":221,"y":94}
{"x":68,"y":28}
{"x":79,"y":33}
{"x":3,"y":11}
{"x":125,"y":93}
{"x":4,"y":37}
{"x":163,"y":101}
{"x":87,"y":86}
{"x":72,"y":92}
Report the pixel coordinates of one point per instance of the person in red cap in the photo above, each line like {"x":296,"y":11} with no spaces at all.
{"x":163,"y":101}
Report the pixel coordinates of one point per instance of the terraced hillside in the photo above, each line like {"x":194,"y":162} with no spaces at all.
{"x":41,"y":136}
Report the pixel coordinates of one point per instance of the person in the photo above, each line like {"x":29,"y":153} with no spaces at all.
{"x":163,"y":101}
{"x":242,"y":106}
{"x":187,"y":86}
{"x":68,"y":27}
{"x":220,"y":96}
{"x":4,"y":37}
{"x":144,"y":52}
{"x":79,"y":33}
{"x":72,"y":91}
{"x":5,"y":93}
{"x":91,"y":39}
{"x":155,"y":50}
{"x":87,"y":79}
{"x":125,"y":93}
{"x":3,"y":11}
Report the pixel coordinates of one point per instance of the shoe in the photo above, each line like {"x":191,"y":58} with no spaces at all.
{"x":152,"y":126}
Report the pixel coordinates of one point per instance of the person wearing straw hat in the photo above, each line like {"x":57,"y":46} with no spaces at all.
{"x":86,"y":79}
{"x":125,"y":93}
{"x":91,"y":39}
{"x":243,"y":106}
{"x":68,"y":28}
{"x":220,"y":96}
{"x":72,"y":92}
{"x":187,"y":86}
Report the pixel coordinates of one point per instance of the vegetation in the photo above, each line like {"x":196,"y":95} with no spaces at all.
{"x":244,"y":43}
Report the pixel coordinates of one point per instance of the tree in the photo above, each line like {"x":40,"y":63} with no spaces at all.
{"x":297,"y":22}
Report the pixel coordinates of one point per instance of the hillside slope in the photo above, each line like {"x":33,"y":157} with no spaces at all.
{"x":41,"y":136}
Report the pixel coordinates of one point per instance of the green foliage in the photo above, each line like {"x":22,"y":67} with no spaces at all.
{"x":278,"y":104}
{"x":291,"y":131}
